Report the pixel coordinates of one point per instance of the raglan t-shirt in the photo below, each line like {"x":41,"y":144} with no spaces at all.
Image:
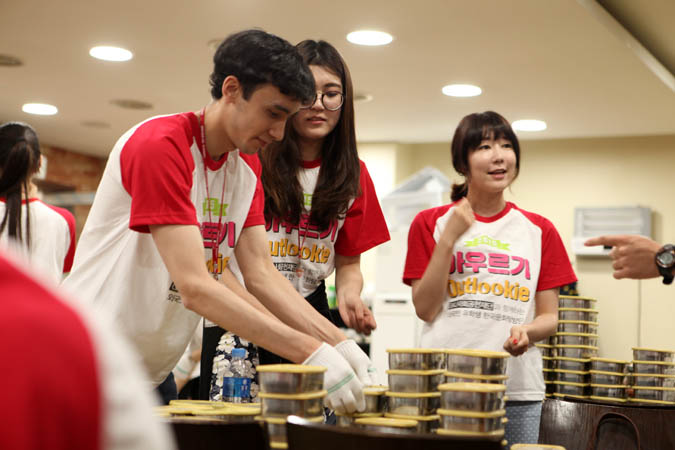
{"x":156,"y":176}
{"x":498,"y":266}
{"x":305,"y":254}
{"x":52,"y":234}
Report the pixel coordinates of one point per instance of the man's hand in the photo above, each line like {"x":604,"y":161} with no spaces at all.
{"x":633,"y":255}
{"x":356,"y":315}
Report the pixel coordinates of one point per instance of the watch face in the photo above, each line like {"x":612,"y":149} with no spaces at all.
{"x":666,"y":259}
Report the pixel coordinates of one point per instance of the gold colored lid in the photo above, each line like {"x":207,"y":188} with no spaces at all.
{"x":477,"y":377}
{"x":653,"y":402}
{"x":543,"y":345}
{"x":375,"y":390}
{"x":471,"y":387}
{"x":657,"y":375}
{"x":547,"y":358}
{"x":547,"y":370}
{"x":193,"y":403}
{"x":575,"y":297}
{"x":571,"y":383}
{"x":576,"y":372}
{"x":496,"y":434}
{"x":413,"y":394}
{"x":386,"y":422}
{"x":471,"y":414}
{"x":608,"y":399}
{"x":558,"y":394}
{"x":564,"y":333}
{"x":358,"y":415}
{"x":279,"y":445}
{"x":658,"y":363}
{"x":582,"y":322}
{"x":290,"y":368}
{"x":653,"y":350}
{"x":227,"y":411}
{"x":302,"y":396}
{"x":415,"y":372}
{"x":415,"y":350}
{"x":603,"y":372}
{"x":611,"y":386}
{"x":654,"y":388}
{"x":430,"y":418}
{"x":607,"y":360}
{"x":282,"y":420}
{"x":567,"y":358}
{"x":536,"y":447}
{"x":590,"y":310}
{"x":476,"y":352}
{"x":590,"y":347}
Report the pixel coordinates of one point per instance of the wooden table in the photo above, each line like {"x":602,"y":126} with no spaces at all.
{"x":572,"y":423}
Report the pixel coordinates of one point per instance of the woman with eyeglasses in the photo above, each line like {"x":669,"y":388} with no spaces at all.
{"x":321,"y":210}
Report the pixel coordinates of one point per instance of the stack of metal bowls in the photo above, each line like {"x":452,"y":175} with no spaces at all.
{"x":414,"y":375}
{"x":475,"y":366}
{"x":472,"y":410}
{"x":653,"y":377}
{"x":548,"y":364}
{"x":608,"y":380}
{"x":375,"y":407}
{"x":289,"y":389}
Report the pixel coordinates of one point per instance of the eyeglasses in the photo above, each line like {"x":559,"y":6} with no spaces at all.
{"x":331,"y":100}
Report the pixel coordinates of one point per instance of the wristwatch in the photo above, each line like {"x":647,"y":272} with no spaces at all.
{"x":665,"y":261}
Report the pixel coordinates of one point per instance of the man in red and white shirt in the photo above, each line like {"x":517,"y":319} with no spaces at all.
{"x":182,"y":190}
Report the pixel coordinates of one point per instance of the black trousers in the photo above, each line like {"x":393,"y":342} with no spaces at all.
{"x":212,"y":336}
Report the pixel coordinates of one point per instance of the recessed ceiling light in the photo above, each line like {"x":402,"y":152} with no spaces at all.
{"x":95,"y":124}
{"x":529,"y":125}
{"x":10,"y":61}
{"x":108,"y":53}
{"x":131,"y":103}
{"x":41,"y":109}
{"x":461,"y":90}
{"x":363,"y":98}
{"x":369,"y":37}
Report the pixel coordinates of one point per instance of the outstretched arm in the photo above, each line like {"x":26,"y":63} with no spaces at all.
{"x":632,"y":255}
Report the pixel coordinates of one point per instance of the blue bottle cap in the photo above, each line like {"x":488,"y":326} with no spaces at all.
{"x":238,"y":353}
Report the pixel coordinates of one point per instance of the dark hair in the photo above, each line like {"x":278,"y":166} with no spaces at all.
{"x":472,"y":129}
{"x":340,"y":172}
{"x":19,"y":160}
{"x":255,"y":57}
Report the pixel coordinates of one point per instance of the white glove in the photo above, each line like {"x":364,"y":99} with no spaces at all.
{"x":345,"y":391}
{"x":358,"y":360}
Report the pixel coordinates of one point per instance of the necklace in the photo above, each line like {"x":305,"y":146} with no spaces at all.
{"x":214,"y":237}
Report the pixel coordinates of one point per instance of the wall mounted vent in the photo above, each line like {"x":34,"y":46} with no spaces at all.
{"x":591,"y":222}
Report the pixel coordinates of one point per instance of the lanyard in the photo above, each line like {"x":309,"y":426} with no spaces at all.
{"x":214,"y":238}
{"x":299,"y":270}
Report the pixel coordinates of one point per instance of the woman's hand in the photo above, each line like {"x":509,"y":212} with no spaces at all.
{"x":461,"y":219}
{"x":518,"y":342}
{"x":355,"y":314}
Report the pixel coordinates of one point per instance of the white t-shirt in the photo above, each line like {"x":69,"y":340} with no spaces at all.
{"x":52,"y":234}
{"x":155,"y":176}
{"x":362,"y":228}
{"x":498,"y":266}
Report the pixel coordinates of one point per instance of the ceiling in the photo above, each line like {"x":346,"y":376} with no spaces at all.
{"x":550,"y":60}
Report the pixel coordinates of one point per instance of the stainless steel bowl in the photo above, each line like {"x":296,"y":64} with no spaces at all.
{"x":565,"y":388}
{"x":576,"y":339}
{"x":565,"y":363}
{"x":648,"y":354}
{"x":585,"y":314}
{"x":608,"y":365}
{"x":416,"y":359}
{"x":471,"y":421}
{"x":571,"y":376}
{"x":387,"y":425}
{"x":413,"y":404}
{"x":545,"y":349}
{"x":549,"y":374}
{"x":603,"y":377}
{"x":414,"y":380}
{"x":425,"y":424}
{"x":654,"y":367}
{"x":347,"y":420}
{"x":477,"y":362}
{"x":571,"y":301}
{"x":577,"y":326}
{"x":664,"y":394}
{"x":609,"y":390}
{"x":282,"y":405}
{"x":290,"y":378}
{"x":576,"y":351}
{"x":376,"y":401}
{"x":548,"y":362}
{"x":276,"y":427}
{"x":481,"y":397}
{"x":456,"y":377}
{"x":652,"y":380}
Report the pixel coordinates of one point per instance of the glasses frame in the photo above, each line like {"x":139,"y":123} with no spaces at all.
{"x":320,"y":95}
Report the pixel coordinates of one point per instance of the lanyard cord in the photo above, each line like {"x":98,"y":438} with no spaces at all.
{"x":214,"y":239}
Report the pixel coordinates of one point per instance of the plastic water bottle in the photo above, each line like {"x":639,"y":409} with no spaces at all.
{"x":236,"y":388}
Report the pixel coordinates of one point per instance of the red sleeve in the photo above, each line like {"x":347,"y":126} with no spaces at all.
{"x":556,"y":269}
{"x":421,"y":243}
{"x":364,"y":226}
{"x":50,"y":367}
{"x":256,"y":215}
{"x":156,"y":167}
{"x":70,"y":220}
